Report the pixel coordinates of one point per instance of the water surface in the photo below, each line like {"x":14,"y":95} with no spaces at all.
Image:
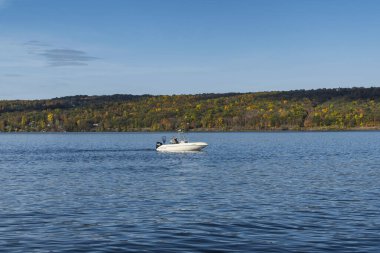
{"x":272,"y":192}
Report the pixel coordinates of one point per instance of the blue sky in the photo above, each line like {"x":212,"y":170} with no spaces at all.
{"x":54,"y":48}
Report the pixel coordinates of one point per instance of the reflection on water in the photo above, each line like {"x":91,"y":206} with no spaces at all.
{"x":272,"y":192}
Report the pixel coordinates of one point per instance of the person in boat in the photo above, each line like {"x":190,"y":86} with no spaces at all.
{"x":174,"y":140}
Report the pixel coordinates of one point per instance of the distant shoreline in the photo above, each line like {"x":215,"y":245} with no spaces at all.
{"x":364,"y":129}
{"x":341,"y":109}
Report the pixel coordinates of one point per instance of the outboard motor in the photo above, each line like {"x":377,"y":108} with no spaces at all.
{"x":158,"y":144}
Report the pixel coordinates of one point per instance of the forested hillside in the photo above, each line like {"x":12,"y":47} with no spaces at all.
{"x":322,"y":109}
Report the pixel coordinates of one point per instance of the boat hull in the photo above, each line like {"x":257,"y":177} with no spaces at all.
{"x":182,"y":147}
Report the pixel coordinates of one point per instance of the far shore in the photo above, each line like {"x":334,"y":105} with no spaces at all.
{"x":357,"y":129}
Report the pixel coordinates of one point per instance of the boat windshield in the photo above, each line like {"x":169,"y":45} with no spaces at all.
{"x":180,"y":138}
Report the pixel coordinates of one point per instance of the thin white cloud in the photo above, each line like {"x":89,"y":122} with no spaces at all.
{"x":58,"y":57}
{"x":36,"y":43}
{"x":66,"y":57}
{"x":12,"y":75}
{"x":14,"y":55}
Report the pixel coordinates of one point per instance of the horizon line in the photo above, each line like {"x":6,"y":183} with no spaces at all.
{"x":187,"y":94}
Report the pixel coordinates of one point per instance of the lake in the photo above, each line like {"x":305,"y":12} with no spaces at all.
{"x":112,"y":192}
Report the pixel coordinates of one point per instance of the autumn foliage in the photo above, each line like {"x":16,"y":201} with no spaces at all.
{"x":322,"y":109}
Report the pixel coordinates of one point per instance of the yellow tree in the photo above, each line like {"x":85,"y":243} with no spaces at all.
{"x":50,"y":117}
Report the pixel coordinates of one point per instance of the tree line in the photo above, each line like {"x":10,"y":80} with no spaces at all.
{"x":320,"y":109}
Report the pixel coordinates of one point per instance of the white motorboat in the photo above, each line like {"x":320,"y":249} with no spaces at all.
{"x":179,"y":144}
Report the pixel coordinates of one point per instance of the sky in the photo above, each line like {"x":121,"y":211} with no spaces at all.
{"x":55,"y":48}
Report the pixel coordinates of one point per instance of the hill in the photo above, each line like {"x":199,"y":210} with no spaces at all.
{"x":320,"y":109}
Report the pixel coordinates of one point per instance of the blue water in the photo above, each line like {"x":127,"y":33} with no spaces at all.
{"x":272,"y":192}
